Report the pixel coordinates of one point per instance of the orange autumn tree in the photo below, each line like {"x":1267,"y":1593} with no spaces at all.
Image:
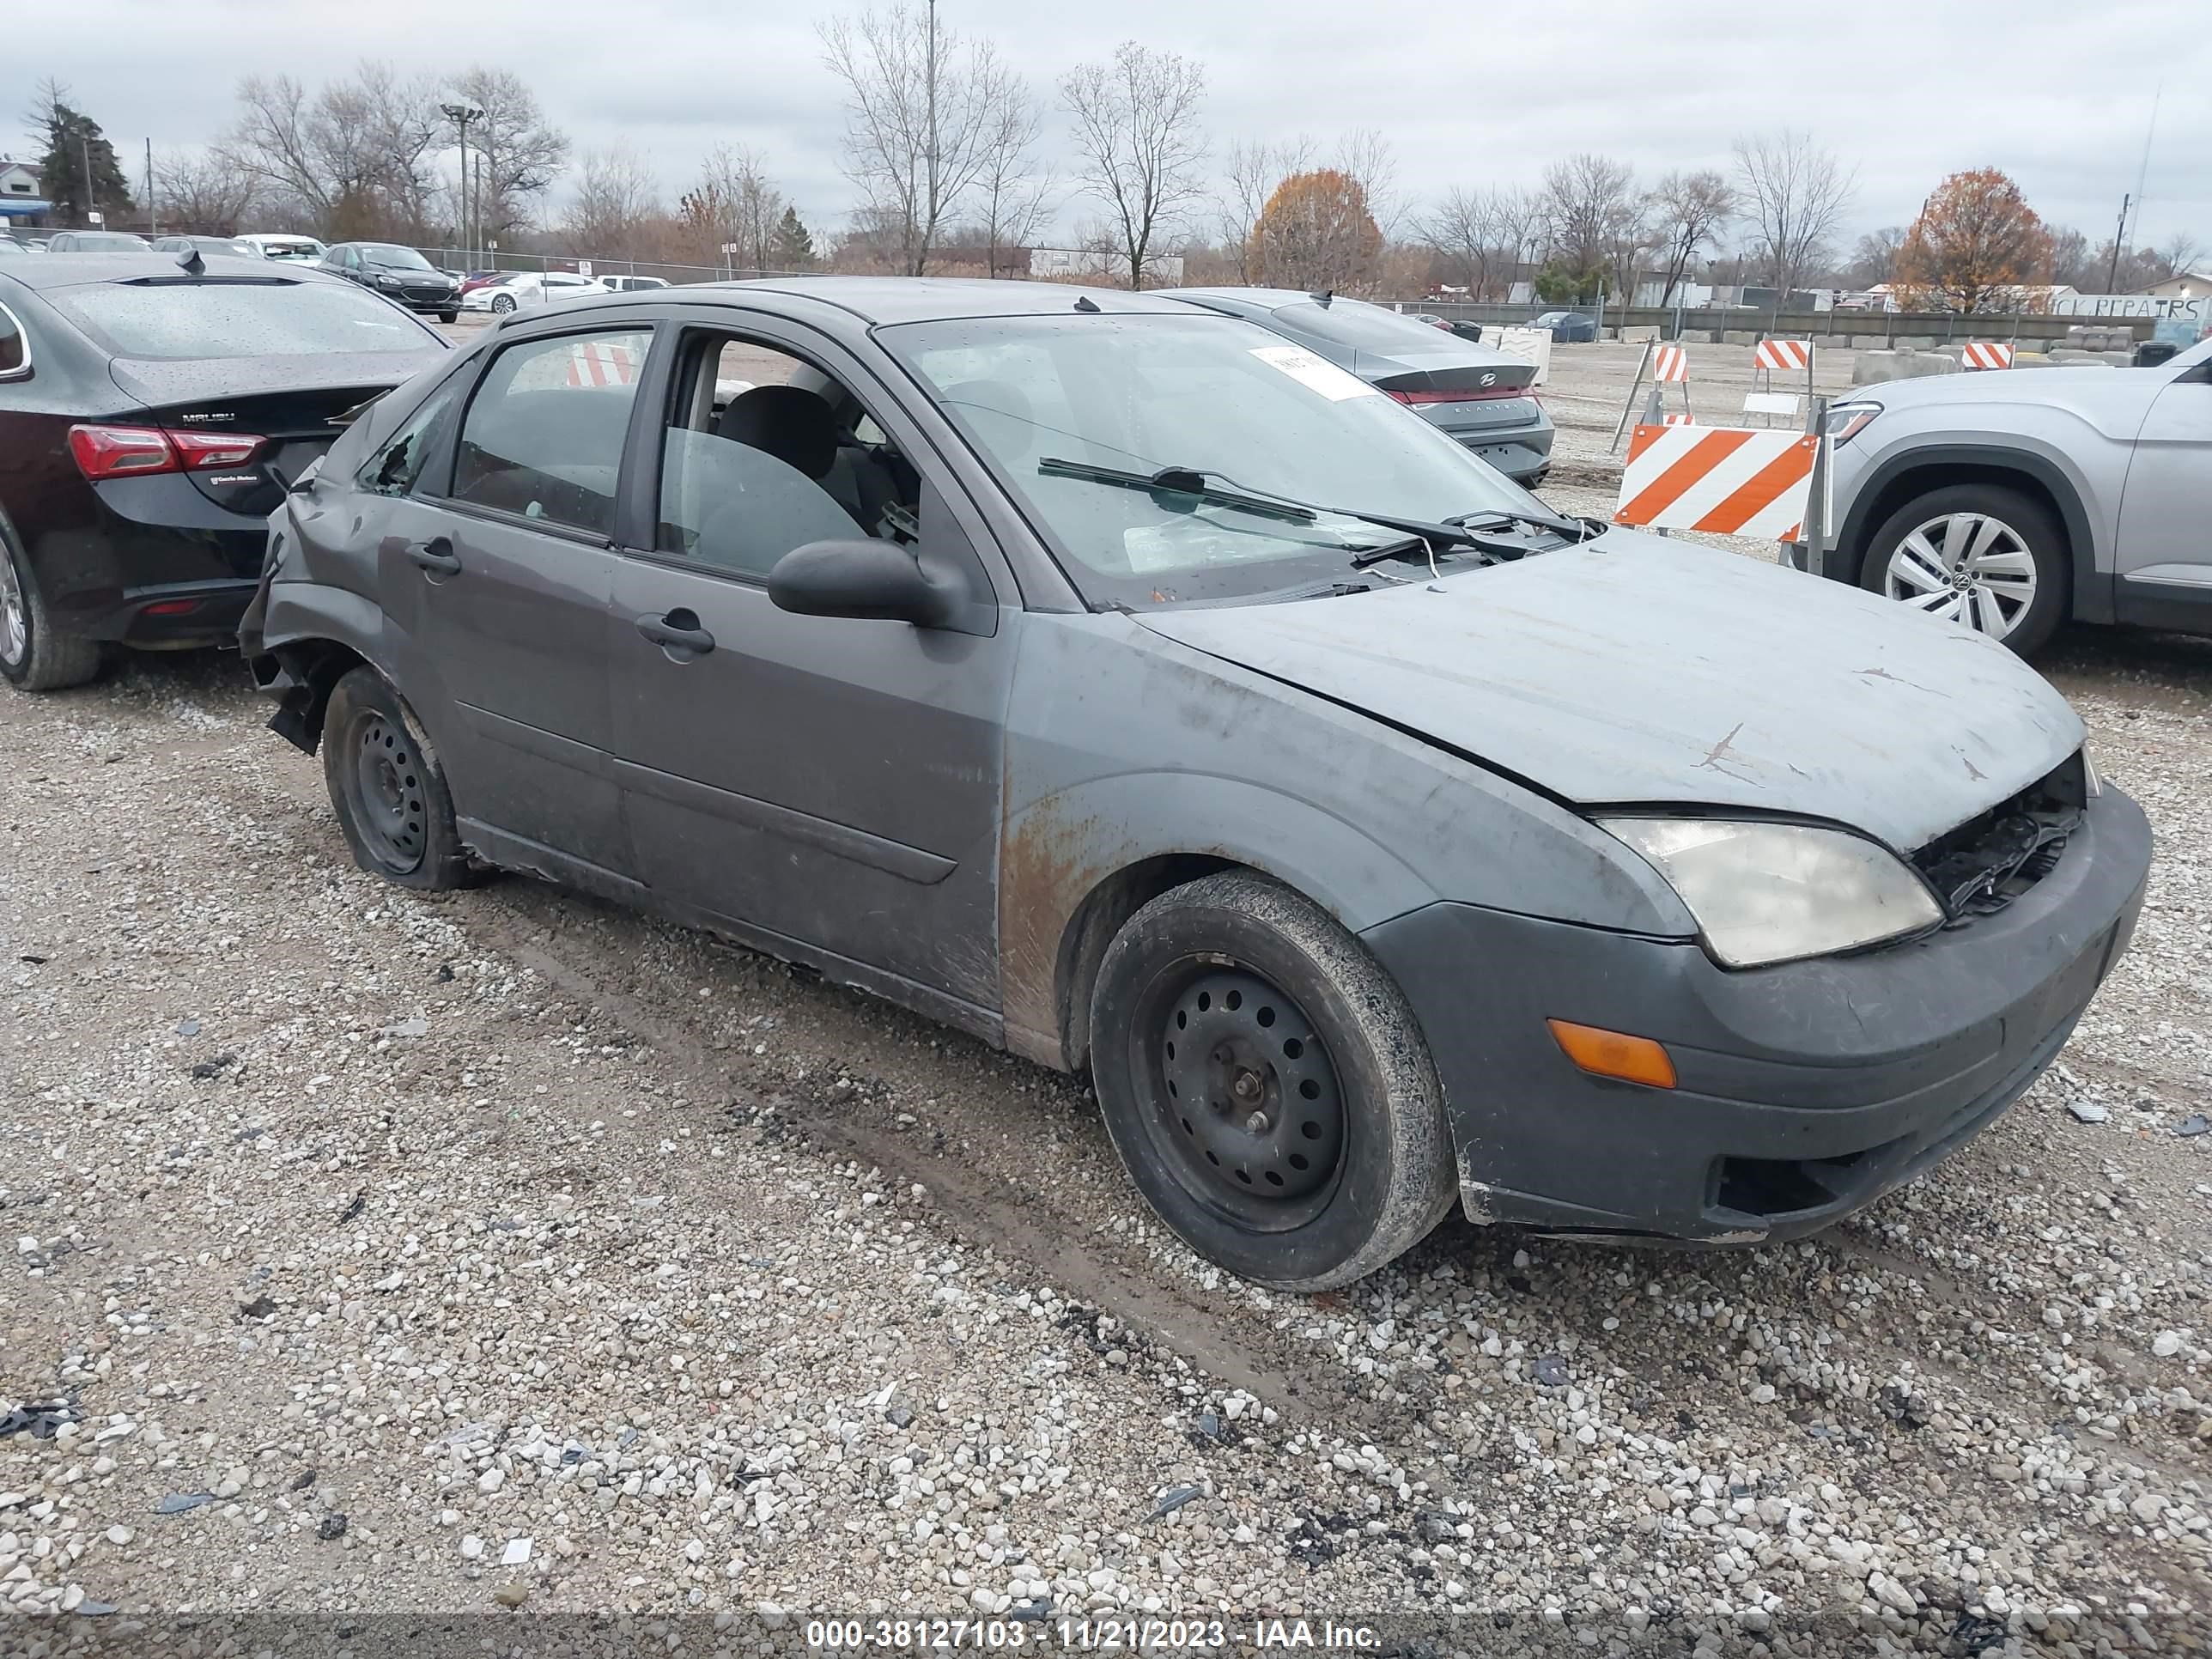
{"x":1316,"y":233}
{"x":1976,"y":244}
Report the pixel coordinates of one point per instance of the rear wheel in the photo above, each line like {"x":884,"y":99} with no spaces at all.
{"x":1987,"y":557}
{"x":1267,"y":1086}
{"x":502,"y":302}
{"x":33,"y":653}
{"x":388,"y":788}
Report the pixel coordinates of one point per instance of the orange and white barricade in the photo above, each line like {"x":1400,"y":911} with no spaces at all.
{"x":1682,"y":419}
{"x":1795,"y":355}
{"x":1670,"y":363}
{"x":1986,"y":354}
{"x":595,"y":362}
{"x":1729,"y":481}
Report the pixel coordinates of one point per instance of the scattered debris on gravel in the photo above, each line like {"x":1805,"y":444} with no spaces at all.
{"x":503,"y":1250}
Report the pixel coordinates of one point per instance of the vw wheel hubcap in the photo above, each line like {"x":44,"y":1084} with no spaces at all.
{"x":1967,"y":567}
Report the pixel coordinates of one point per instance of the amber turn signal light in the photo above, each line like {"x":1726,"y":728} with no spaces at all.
{"x":1613,"y":1054}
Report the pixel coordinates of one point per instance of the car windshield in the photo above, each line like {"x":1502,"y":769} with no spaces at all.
{"x":107,"y":241}
{"x":1257,"y":414}
{"x":386,"y":257}
{"x":252,"y":318}
{"x":1362,"y":327}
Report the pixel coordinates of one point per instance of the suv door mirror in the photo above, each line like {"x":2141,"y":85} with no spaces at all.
{"x":880,"y":580}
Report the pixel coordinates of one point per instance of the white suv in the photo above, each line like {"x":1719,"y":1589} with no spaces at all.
{"x":2012,"y":500}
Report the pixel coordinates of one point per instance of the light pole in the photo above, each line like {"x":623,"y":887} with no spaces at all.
{"x":460,"y":112}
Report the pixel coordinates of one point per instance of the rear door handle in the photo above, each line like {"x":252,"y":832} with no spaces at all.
{"x":679,"y":629}
{"x":436,"y":554}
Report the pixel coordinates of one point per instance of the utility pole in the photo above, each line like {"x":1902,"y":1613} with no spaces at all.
{"x":2112,"y":272}
{"x":153,"y":219}
{"x":929,"y":96}
{"x":460,"y":112}
{"x":84,"y":149}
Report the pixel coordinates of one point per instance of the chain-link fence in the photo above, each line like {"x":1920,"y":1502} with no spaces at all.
{"x":471,"y":262}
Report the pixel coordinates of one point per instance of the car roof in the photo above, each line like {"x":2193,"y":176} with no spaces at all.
{"x":934,"y":299}
{"x":1270,"y":297}
{"x":70,"y":270}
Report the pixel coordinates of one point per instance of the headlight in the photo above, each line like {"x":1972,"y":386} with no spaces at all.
{"x":1764,"y":893}
{"x":1845,"y":420}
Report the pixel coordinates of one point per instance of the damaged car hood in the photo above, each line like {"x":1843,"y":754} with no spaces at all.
{"x":1632,"y":668}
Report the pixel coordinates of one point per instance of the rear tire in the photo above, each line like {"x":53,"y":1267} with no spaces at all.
{"x":1982,"y":555}
{"x":449,"y":316}
{"x":1267,"y":1085}
{"x":34,"y":654}
{"x":388,"y":789}
{"x":502,"y":303}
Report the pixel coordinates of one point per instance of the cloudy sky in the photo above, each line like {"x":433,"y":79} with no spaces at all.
{"x":2058,"y":94}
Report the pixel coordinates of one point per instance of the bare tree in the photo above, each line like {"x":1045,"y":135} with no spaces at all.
{"x":1795,"y":194}
{"x":1463,"y":230}
{"x":732,"y":205}
{"x":1874,"y":260}
{"x":615,"y":193}
{"x":1013,"y":188}
{"x":1687,"y":211}
{"x":1139,"y":142}
{"x":1591,"y":214}
{"x":354,"y":154}
{"x":1521,"y":221}
{"x":1250,"y":176}
{"x":206,"y":194}
{"x":521,"y":153}
{"x":1366,"y":158}
{"x":2181,"y":255}
{"x":918,"y":118}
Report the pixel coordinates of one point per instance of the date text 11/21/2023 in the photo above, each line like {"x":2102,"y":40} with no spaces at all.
{"x":1086,"y":1635}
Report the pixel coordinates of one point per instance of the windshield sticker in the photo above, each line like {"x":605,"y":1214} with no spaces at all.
{"x":1313,"y":373}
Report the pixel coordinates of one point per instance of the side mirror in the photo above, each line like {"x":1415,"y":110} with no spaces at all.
{"x":880,"y":580}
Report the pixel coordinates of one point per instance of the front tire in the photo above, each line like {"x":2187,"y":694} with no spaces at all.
{"x":502,"y":303}
{"x":449,"y":316}
{"x":388,"y":789}
{"x":34,"y":654}
{"x":1982,"y":555}
{"x":1268,"y":1086}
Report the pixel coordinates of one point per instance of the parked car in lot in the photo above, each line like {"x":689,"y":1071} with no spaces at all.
{"x":513,"y":289}
{"x":149,"y":419}
{"x":97,"y":241}
{"x":2012,"y":500}
{"x":236,"y":246}
{"x":620,"y":284}
{"x":1480,"y":395}
{"x":297,"y":250}
{"x":12,"y":249}
{"x":1123,"y":685}
{"x":1568,"y":326}
{"x":399,"y":274}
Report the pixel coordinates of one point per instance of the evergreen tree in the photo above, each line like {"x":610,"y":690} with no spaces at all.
{"x":75,"y":143}
{"x":794,"y":249}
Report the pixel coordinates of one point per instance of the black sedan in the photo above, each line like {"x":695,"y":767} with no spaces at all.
{"x":1479,"y":398}
{"x":399,"y":274}
{"x":151,"y":415}
{"x":1568,"y":327}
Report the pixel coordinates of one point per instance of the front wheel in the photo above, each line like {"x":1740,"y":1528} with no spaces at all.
{"x":1987,"y":557}
{"x":1268,"y":1086}
{"x":502,"y":303}
{"x":388,"y":789}
{"x":449,"y":316}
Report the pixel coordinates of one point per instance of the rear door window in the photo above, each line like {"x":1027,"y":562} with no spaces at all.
{"x":178,"y":320}
{"x":15,"y":346}
{"x":543,"y":436}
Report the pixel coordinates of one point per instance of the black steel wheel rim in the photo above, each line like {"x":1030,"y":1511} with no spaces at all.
{"x":1243,"y":1101}
{"x":385,"y":786}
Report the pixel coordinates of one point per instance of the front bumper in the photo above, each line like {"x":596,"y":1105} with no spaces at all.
{"x":1804,"y":1090}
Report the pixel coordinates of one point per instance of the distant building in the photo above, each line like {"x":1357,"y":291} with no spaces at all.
{"x":2183,"y":285}
{"x":20,"y":196}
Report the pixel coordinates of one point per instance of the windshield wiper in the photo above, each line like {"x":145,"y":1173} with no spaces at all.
{"x":1180,"y":481}
{"x":1505,"y":515}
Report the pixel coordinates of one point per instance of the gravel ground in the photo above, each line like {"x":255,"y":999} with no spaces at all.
{"x":502,"y":1249}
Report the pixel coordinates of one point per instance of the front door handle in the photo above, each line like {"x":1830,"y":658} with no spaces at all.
{"x":436,"y":554}
{"x":679,"y":629}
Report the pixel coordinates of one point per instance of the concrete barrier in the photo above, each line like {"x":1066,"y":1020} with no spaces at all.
{"x":1872,"y":367}
{"x":1639,"y":335}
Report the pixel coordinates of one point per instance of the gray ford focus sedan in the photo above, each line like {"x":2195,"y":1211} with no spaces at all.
{"x":1137,"y":690}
